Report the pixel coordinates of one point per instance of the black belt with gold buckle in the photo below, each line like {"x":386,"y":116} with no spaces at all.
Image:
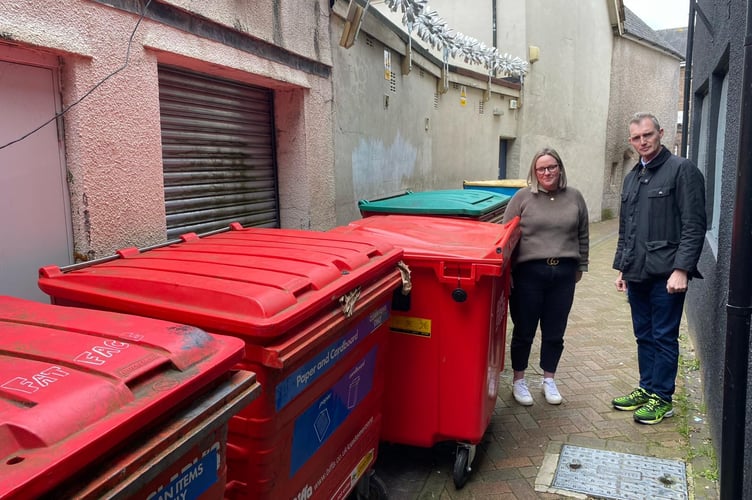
{"x":552,"y":261}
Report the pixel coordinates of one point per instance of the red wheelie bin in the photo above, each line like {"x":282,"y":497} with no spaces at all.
{"x":96,"y":404}
{"x":447,"y":337}
{"x":308,"y":306}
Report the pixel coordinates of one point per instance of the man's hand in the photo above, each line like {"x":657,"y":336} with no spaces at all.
{"x":677,"y":282}
{"x":621,"y":285}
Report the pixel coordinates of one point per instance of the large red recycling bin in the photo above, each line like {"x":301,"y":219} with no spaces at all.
{"x":447,"y":338}
{"x":308,"y":306}
{"x":96,"y":404}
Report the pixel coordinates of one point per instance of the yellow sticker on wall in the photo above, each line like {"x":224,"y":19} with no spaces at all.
{"x":463,"y":95}
{"x":387,"y":65}
{"x":410,"y":325}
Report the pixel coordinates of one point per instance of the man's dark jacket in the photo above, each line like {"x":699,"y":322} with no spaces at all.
{"x":662,"y":222}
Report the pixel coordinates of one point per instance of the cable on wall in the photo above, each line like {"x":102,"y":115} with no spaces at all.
{"x":88,"y":92}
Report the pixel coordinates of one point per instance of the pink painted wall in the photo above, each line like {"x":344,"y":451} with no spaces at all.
{"x":112,"y":138}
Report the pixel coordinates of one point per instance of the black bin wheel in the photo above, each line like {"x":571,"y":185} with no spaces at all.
{"x":371,"y":487}
{"x":461,"y":470}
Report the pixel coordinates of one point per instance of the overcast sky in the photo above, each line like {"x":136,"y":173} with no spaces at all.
{"x":661,"y":14}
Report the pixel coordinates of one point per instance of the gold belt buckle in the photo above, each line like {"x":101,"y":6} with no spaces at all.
{"x":552,"y":261}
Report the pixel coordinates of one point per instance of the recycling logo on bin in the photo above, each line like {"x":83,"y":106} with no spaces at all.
{"x":319,"y":421}
{"x":302,"y":378}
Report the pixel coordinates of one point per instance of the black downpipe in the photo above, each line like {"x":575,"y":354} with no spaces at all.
{"x":739,"y":308}
{"x":688,"y":78}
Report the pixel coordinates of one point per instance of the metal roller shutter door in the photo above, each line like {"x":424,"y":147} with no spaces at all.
{"x":217,"y":153}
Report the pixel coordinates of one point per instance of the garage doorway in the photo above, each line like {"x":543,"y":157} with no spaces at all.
{"x":217,"y":153}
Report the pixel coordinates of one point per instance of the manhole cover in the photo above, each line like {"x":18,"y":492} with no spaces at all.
{"x":609,"y":474}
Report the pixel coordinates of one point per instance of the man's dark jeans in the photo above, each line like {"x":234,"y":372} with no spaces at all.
{"x":656,"y":316}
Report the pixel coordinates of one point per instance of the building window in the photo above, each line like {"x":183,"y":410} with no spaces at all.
{"x":715,"y":175}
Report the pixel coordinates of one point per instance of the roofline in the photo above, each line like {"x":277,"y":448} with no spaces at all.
{"x":616,"y":15}
{"x":652,"y":45}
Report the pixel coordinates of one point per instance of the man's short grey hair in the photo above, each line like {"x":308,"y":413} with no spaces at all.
{"x":638,"y":117}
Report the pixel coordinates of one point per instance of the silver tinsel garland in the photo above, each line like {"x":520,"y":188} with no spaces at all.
{"x":433,"y":30}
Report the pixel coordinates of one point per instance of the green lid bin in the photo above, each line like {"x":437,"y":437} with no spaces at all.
{"x":480,"y":205}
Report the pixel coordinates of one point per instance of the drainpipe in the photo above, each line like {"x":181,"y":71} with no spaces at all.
{"x":739,"y":308}
{"x":688,"y":77}
{"x":493,"y":22}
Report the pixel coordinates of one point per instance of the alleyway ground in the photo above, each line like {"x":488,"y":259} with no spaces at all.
{"x":599,"y":362}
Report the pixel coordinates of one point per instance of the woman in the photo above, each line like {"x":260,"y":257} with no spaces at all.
{"x":550,"y":258}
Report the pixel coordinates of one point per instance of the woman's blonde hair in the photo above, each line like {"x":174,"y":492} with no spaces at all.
{"x":532,"y":179}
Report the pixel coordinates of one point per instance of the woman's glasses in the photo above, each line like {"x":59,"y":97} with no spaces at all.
{"x":543,"y":170}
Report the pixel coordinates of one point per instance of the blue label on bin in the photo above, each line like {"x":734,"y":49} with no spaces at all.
{"x":194,"y":479}
{"x":319,"y":421}
{"x":297,"y":382}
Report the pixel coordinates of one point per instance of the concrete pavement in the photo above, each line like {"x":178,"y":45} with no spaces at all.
{"x":599,"y":362}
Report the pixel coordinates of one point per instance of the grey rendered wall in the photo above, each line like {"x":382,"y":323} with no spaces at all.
{"x":422,"y":139}
{"x":633,"y":91}
{"x":707,"y":298}
{"x":566,"y":93}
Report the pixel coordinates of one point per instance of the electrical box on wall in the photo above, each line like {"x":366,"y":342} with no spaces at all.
{"x":513,"y":104}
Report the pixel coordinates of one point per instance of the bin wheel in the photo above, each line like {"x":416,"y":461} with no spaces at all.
{"x":371,"y":487}
{"x":461,"y":471}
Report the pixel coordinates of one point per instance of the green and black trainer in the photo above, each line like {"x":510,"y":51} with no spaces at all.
{"x":631,"y":401}
{"x":655,"y":410}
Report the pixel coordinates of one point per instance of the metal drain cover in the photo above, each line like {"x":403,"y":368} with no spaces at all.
{"x":620,"y":476}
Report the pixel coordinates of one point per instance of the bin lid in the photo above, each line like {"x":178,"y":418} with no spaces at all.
{"x":253,"y":282}
{"x":442,"y":202}
{"x":440,"y":237}
{"x":74,"y":383}
{"x":513,"y":183}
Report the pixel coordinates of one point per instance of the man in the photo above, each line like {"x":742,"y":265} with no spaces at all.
{"x":661,"y":233}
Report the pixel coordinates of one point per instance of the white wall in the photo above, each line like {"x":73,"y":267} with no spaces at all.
{"x":566,"y":94}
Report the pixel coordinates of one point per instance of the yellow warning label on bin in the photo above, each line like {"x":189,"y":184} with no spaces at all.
{"x":410,"y":325}
{"x":362,"y":466}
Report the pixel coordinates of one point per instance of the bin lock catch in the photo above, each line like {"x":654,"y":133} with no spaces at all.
{"x":348,"y":300}
{"x":407,"y":284}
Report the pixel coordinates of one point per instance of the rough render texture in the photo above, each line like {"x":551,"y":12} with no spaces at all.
{"x":297,"y":26}
{"x":112,"y":137}
{"x":717,"y":51}
{"x":420,"y":140}
{"x":630,"y":93}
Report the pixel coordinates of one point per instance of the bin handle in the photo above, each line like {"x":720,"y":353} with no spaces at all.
{"x":407,"y":284}
{"x":476,"y":270}
{"x":348,"y":300}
